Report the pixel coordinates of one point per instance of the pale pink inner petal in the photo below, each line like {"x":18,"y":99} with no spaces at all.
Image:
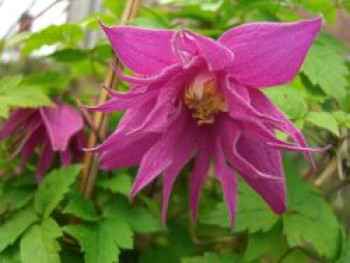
{"x":61,"y":122}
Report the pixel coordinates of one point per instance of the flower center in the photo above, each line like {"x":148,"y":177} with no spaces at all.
{"x":204,"y":99}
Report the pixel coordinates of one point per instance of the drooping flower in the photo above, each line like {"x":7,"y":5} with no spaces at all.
{"x":56,"y":129}
{"x":192,"y":96}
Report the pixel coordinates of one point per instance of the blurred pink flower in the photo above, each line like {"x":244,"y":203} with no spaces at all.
{"x":196,"y":97}
{"x":58,"y":129}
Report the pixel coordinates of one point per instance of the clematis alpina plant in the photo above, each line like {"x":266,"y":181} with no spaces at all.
{"x":57,"y":129}
{"x":195,"y":97}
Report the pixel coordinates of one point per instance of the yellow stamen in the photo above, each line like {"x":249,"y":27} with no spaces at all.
{"x":204,"y":99}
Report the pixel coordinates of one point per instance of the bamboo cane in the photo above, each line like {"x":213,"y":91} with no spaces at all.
{"x":100,"y":120}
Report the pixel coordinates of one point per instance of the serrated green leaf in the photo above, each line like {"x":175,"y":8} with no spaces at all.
{"x":324,"y":120}
{"x":14,"y":94}
{"x":53,"y":188}
{"x":39,"y":243}
{"x":81,"y":207}
{"x":253,"y":214}
{"x":289,"y":99}
{"x":100,"y":241}
{"x":328,"y":70}
{"x":18,"y":192}
{"x":118,"y":183}
{"x":137,"y":218}
{"x":343,"y":118}
{"x":270,"y":243}
{"x":210,"y":257}
{"x":67,"y":34}
{"x":309,"y":219}
{"x":15,"y":226}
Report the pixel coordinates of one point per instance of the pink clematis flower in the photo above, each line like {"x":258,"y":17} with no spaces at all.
{"x":58,"y":129}
{"x":192,"y":96}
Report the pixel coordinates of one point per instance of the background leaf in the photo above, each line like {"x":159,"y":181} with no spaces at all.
{"x":53,"y":188}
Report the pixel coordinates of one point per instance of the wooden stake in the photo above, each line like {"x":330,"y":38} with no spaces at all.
{"x":100,"y":120}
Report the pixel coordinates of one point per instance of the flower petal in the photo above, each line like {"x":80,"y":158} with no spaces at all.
{"x":199,"y":172}
{"x":144,"y":51}
{"x":128,"y":153}
{"x":28,"y":148}
{"x":61,"y":122}
{"x":240,"y":107}
{"x":159,"y":157}
{"x":216,"y":55}
{"x":45,"y":159}
{"x":66,"y":157}
{"x":228,"y":182}
{"x":17,"y":119}
{"x":124,"y":101}
{"x":182,"y":155}
{"x":269,"y":54}
{"x":265,"y":105}
{"x":259,"y":165}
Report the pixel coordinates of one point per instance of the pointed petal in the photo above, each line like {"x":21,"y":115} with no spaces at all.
{"x":239,"y":104}
{"x":128,"y":153}
{"x":66,"y":157}
{"x":259,"y":165}
{"x":130,"y":121}
{"x":228,"y":182}
{"x":120,"y":102}
{"x":183,"y":153}
{"x":144,"y":51}
{"x":31,"y":126}
{"x":45,"y":159}
{"x":199,"y":172}
{"x":28,"y":148}
{"x":269,"y":54}
{"x":61,"y":122}
{"x":166,"y":108}
{"x":159,"y":157}
{"x":215,"y":54}
{"x":16,"y":119}
{"x":264,"y":105}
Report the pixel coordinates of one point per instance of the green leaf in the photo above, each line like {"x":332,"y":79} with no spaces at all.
{"x":81,"y":207}
{"x":137,"y":218}
{"x":210,"y":257}
{"x":309,"y":219}
{"x":15,"y":226}
{"x":10,"y":255}
{"x":69,"y":55}
{"x":18,"y":192}
{"x":270,"y":243}
{"x":343,"y":118}
{"x":14,"y":93}
{"x":53,"y":188}
{"x":328,"y":70}
{"x":118,"y":183}
{"x":39,"y":243}
{"x":324,"y":120}
{"x":116,"y":7}
{"x":289,"y":99}
{"x":67,"y":34}
{"x":345,"y":255}
{"x":100,"y":241}
{"x":253,"y":214}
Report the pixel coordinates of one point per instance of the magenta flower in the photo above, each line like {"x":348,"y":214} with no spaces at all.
{"x":58,"y":129}
{"x":196,"y":97}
